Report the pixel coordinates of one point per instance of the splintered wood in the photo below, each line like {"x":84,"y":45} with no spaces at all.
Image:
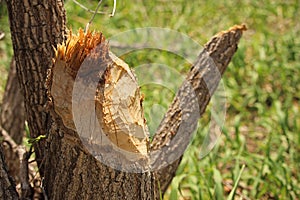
{"x":116,"y":100}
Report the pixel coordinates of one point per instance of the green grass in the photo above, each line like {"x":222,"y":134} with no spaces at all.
{"x":262,"y":83}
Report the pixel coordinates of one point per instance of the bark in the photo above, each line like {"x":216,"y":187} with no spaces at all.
{"x":18,"y":159}
{"x":191,"y":101}
{"x":7,"y":186}
{"x":69,"y":171}
{"x":68,"y":159}
{"x":11,"y":155}
{"x":188,"y":106}
{"x":12,"y":117}
{"x":36,"y":26}
{"x":12,"y":120}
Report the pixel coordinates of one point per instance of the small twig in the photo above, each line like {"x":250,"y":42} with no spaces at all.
{"x":37,"y":139}
{"x":95,"y":12}
{"x":114,"y":9}
{"x":26,"y":188}
{"x":91,"y":20}
{"x":43,"y":189}
{"x":32,"y":161}
{"x":7,"y":138}
{"x":87,"y":9}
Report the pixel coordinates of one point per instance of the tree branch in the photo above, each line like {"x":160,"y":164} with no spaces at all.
{"x":114,"y":9}
{"x":20,"y":151}
{"x":190,"y":103}
{"x":89,"y":10}
{"x":69,"y":171}
{"x":12,"y":116}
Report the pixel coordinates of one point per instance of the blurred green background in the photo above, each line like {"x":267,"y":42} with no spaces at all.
{"x":262,"y":84}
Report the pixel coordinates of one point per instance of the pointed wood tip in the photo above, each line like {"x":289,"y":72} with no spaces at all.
{"x":242,"y":27}
{"x":223,"y":45}
{"x":235,"y":28}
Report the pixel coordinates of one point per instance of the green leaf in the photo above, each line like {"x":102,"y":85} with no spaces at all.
{"x":219,"y":193}
{"x":232,"y":193}
{"x":37,"y":139}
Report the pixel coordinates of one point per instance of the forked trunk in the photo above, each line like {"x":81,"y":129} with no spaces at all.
{"x":68,"y":168}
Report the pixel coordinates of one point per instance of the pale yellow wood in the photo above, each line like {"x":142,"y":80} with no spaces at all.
{"x":118,"y":100}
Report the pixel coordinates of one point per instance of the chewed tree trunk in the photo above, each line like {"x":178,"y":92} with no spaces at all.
{"x":69,"y":171}
{"x":68,"y":157}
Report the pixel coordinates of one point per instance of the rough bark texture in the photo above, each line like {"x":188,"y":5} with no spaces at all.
{"x":69,"y":171}
{"x":11,"y":155}
{"x":36,"y":26}
{"x":12,"y":117}
{"x":78,"y":175}
{"x":194,"y":95}
{"x":24,"y":174}
{"x":7,"y":186}
{"x":67,"y":158}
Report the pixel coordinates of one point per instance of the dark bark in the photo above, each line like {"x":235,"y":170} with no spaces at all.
{"x":11,"y":155}
{"x":17,"y":156}
{"x":7,"y":185}
{"x":35,"y":28}
{"x":69,"y":171}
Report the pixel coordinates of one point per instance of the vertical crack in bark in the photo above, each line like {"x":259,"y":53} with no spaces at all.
{"x":35,"y":28}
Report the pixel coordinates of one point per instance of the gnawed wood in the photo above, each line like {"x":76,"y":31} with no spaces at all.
{"x":85,"y":76}
{"x":119,"y":108}
{"x":69,"y":172}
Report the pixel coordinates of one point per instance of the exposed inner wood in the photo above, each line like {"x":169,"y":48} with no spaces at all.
{"x":106,"y":84}
{"x":68,"y":171}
